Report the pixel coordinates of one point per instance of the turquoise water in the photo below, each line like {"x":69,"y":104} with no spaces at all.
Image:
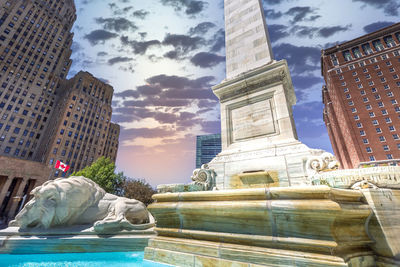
{"x":131,"y":259}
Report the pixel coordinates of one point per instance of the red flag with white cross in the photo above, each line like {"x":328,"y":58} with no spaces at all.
{"x":61,"y":166}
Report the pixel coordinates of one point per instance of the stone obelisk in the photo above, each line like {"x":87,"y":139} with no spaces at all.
{"x":259,"y":139}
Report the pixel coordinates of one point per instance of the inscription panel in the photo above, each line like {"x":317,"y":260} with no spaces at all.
{"x":252,"y":120}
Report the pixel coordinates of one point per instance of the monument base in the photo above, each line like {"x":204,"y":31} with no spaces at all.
{"x":285,"y":164}
{"x":71,"y":240}
{"x":277,"y":226}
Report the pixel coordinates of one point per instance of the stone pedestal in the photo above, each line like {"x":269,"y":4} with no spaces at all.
{"x":279,"y":226}
{"x":257,"y":128}
{"x":73,"y":239}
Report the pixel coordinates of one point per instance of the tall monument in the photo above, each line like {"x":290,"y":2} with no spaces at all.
{"x":259,"y":139}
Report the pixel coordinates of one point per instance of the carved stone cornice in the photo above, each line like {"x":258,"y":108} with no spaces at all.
{"x":256,"y":80}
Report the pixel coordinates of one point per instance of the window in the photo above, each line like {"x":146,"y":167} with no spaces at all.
{"x":368,"y":107}
{"x":382,"y":139}
{"x":389,"y":156}
{"x":365,"y":141}
{"x":377,"y":96}
{"x":378,"y":130}
{"x":369,"y":150}
{"x":377,"y":45}
{"x":385,"y":147}
{"x":367,"y":49}
{"x":391,"y":128}
{"x":362,"y":133}
{"x":388,"y":120}
{"x":365,"y":99}
{"x":351,"y":103}
{"x":359,"y":125}
{"x":347,"y":55}
{"x":375,"y":122}
{"x":348,"y":96}
{"x":371,"y":158}
{"x":396,"y":137}
{"x":7,"y":150}
{"x":384,"y":112}
{"x":390,"y":94}
{"x":356,"y":117}
{"x":380,"y":104}
{"x":362,"y":92}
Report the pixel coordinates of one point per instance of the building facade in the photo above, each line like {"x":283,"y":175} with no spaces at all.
{"x":81,"y":125}
{"x":43,"y":116}
{"x":362,"y":98}
{"x":207,"y":147}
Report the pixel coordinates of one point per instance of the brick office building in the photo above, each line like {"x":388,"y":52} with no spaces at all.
{"x":35,"y":99}
{"x":362,"y":98}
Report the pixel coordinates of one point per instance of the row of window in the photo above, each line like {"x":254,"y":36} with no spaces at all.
{"x":366,"y":49}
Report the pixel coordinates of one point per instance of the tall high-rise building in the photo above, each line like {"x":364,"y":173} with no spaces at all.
{"x":81,"y":124}
{"x":361,"y":97}
{"x":207,"y":147}
{"x":43,"y":116}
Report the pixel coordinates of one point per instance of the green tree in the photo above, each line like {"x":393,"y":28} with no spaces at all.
{"x":138,"y":189}
{"x":102,"y":172}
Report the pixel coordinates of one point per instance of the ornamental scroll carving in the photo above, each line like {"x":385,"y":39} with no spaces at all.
{"x":322,"y":163}
{"x":204,"y":177}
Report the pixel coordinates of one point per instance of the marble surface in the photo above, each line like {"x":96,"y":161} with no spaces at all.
{"x":247,"y":40}
{"x":79,"y":200}
{"x":291,"y":226}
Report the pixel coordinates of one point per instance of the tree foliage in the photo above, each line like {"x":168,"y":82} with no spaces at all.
{"x":138,"y":189}
{"x":102,"y":172}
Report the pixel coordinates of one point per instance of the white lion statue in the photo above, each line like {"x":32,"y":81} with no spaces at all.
{"x":80,"y":201}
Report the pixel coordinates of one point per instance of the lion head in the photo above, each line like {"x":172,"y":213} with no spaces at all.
{"x":58,"y":202}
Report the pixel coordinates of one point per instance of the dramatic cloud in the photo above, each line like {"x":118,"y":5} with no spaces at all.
{"x":201,"y":28}
{"x":102,"y":54}
{"x":191,"y":7}
{"x":206,"y":60}
{"x":141,"y":14}
{"x":311,"y":32}
{"x":99,"y":36}
{"x":139,"y":47}
{"x":377,"y":26}
{"x":301,"y":13}
{"x":271,"y":14}
{"x":116,"y":60}
{"x":391,"y":7}
{"x":277,"y":31}
{"x":128,"y":93}
{"x":117,"y":24}
{"x":218,"y":41}
{"x":301,"y":59}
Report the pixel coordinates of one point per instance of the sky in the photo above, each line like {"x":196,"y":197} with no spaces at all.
{"x":163,"y":56}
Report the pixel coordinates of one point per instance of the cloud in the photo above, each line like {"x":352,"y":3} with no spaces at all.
{"x":102,"y":54}
{"x":271,"y":14}
{"x":139,"y":47}
{"x":206,"y":60}
{"x":377,"y":26}
{"x":277,"y":31}
{"x":99,"y":36}
{"x":300,"y":13}
{"x":218,"y":41}
{"x":128,"y":93}
{"x":211,"y":127}
{"x":191,"y":7}
{"x":301,"y":59}
{"x":117,"y":24}
{"x":116,"y":60}
{"x":311,"y":32}
{"x":140,"y":14}
{"x":201,"y":28}
{"x":390,"y":7}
